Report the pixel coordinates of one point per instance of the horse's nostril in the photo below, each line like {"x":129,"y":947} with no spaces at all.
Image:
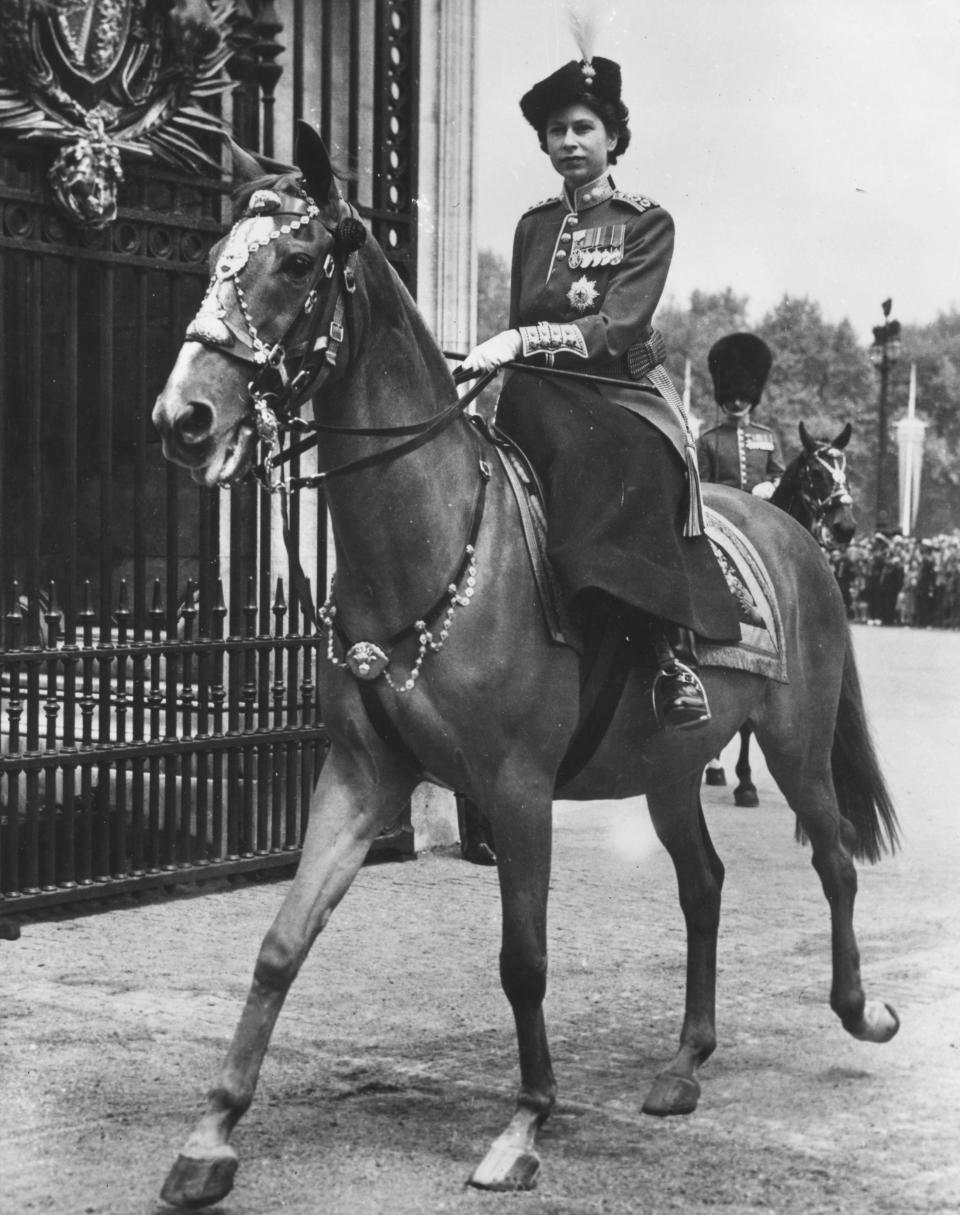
{"x":195,"y":423}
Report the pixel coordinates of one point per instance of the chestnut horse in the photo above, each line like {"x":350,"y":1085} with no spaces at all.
{"x":814,"y":491}
{"x":436,"y":615}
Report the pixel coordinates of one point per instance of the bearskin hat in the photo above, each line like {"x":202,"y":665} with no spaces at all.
{"x":739,"y":364}
{"x":576,"y":83}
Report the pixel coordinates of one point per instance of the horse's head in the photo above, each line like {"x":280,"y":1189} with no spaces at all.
{"x":268,"y":328}
{"x":824,"y":490}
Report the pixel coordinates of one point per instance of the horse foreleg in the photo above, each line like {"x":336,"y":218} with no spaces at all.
{"x":345,"y":816}
{"x":745,"y":793}
{"x":678,"y":819}
{"x":523,"y":862}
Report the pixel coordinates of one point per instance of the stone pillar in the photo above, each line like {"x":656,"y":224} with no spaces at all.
{"x":447,"y":249}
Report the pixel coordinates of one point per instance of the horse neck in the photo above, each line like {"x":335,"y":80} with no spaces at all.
{"x":787,"y":494}
{"x":400,"y":526}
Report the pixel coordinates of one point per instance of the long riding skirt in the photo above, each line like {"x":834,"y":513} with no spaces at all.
{"x":616,"y":504}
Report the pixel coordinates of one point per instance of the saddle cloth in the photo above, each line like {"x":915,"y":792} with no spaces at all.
{"x":760,"y":650}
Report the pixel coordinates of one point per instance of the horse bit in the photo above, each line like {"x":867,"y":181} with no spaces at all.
{"x":215,"y":327}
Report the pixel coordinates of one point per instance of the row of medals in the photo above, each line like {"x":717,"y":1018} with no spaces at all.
{"x":588,"y":258}
{"x":597,"y":247}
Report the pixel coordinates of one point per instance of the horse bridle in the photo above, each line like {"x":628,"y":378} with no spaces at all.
{"x":839,"y":495}
{"x":277,"y":391}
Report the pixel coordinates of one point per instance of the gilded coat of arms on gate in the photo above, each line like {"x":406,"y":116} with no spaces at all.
{"x":100,"y":79}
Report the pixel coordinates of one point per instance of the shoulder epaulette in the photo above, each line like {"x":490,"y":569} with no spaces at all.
{"x":547,"y":202}
{"x":639,"y":201}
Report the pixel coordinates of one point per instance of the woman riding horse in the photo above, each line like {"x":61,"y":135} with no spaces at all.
{"x":617,"y":462}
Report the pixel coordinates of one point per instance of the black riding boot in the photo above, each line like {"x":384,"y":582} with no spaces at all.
{"x":679,"y":700}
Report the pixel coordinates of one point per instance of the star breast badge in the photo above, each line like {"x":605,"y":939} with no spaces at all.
{"x":582,"y":293}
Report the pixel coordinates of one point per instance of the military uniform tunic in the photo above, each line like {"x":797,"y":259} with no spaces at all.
{"x":739,"y":452}
{"x":588,"y":273}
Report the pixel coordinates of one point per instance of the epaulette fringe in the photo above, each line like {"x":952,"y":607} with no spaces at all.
{"x":640,"y":201}
{"x":546,"y":202}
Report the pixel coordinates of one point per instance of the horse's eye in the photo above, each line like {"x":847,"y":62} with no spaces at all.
{"x":298,"y":265}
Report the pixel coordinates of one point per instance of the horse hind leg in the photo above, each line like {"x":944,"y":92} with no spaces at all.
{"x":344,"y":819}
{"x":805,"y":779}
{"x":678,"y":819}
{"x":745,"y":794}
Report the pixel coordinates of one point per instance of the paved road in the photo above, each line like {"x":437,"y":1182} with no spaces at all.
{"x":394,"y":1062}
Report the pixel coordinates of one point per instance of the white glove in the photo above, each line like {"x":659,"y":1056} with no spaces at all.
{"x":764,"y":490}
{"x":494,"y":352}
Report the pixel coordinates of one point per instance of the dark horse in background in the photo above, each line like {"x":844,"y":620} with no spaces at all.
{"x":436,"y":627}
{"x":814,"y":491}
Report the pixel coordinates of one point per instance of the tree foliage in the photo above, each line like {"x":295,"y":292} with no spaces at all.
{"x":493,"y":294}
{"x":822,"y":375}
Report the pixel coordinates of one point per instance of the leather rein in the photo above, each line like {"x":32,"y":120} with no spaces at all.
{"x":277,"y":390}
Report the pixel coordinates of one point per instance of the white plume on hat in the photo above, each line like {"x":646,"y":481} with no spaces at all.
{"x":587,"y":19}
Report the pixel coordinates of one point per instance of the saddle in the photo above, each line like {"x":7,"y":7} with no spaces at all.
{"x":607,"y":654}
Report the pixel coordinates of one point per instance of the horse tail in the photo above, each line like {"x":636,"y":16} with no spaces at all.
{"x":862,"y":793}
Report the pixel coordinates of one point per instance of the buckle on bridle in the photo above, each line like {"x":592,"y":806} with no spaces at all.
{"x":267,"y":422}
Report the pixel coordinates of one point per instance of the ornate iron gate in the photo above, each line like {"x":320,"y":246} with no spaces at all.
{"x":158,"y":710}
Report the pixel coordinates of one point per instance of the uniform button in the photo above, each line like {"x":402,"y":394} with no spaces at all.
{"x":565,"y":236}
{"x":572,"y":219}
{"x":586,"y":197}
{"x":561,"y":253}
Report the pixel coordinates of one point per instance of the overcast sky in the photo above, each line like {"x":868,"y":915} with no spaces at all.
{"x":808,"y":147}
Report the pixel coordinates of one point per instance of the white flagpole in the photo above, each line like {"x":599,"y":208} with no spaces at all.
{"x":910,"y":432}
{"x":907,"y":494}
{"x":912,"y":399}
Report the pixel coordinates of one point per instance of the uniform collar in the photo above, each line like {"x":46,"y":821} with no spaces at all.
{"x":589,"y":195}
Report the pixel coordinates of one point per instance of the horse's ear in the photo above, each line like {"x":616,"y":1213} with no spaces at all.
{"x":843,"y":438}
{"x":248,"y":167}
{"x":808,"y":443}
{"x":313,"y":161}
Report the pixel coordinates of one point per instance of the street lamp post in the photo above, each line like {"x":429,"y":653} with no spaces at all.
{"x":883,"y":354}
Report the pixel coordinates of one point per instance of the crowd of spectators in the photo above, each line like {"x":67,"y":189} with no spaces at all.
{"x":900,"y":580}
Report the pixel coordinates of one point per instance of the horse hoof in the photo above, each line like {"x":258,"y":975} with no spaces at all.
{"x":880,"y":1023}
{"x":506,"y":1169}
{"x":195,"y":1182}
{"x":670,"y":1095}
{"x":746,"y":797}
{"x":715,"y":776}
